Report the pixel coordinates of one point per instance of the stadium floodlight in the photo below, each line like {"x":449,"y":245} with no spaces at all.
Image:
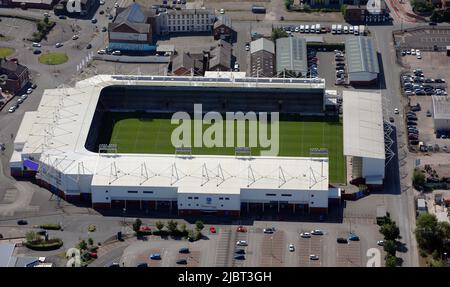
{"x":242,"y":151}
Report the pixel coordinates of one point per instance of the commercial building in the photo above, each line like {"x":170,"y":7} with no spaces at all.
{"x":17,"y":75}
{"x":291,"y":57}
{"x":56,"y":151}
{"x":441,"y":114}
{"x":376,"y":11}
{"x":222,"y":28}
{"x":364,"y":143}
{"x":362,"y":61}
{"x":132,"y":29}
{"x":185,"y":21}
{"x":86,"y":7}
{"x":262,"y":58}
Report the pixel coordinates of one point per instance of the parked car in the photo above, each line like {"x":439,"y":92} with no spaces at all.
{"x":93,"y":254}
{"x":101,"y":52}
{"x":182,"y":261}
{"x":88,"y":46}
{"x":240,"y":251}
{"x":305,"y":235}
{"x":115,"y":264}
{"x":12,"y":109}
{"x":239,"y":257}
{"x":35,"y":44}
{"x":33,"y":86}
{"x":411,"y":123}
{"x":269,"y":230}
{"x":184,"y":250}
{"x":37,"y":52}
{"x":75,"y":37}
{"x":93,"y":20}
{"x":313,"y":256}
{"x":291,"y":248}
{"x":104,"y":29}
{"x":116,"y":53}
{"x":62,"y":17}
{"x":353,"y":237}
{"x":155,"y":256}
{"x":242,"y":243}
{"x":316,"y":232}
{"x":22,"y":222}
{"x":58,"y":45}
{"x":241,"y":229}
{"x":212,"y":229}
{"x":142,"y":265}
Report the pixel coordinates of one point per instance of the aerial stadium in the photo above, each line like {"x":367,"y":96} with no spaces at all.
{"x":107,"y":141}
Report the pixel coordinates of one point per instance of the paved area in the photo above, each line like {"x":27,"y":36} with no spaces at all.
{"x":424,"y":39}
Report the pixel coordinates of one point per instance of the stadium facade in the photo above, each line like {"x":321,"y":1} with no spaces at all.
{"x":57,"y":146}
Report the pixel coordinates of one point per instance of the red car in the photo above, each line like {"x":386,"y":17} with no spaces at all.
{"x":241,"y":229}
{"x":93,"y":254}
{"x":212,"y":229}
{"x":145,"y":228}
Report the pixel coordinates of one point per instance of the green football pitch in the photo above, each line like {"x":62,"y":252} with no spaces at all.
{"x":296,"y":138}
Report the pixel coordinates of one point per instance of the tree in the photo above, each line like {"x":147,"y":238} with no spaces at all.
{"x":429,"y":236}
{"x":288,"y":3}
{"x":82,"y":245}
{"x":344,"y":10}
{"x":390,"y":261}
{"x":437,"y":263}
{"x":418,"y":178}
{"x":137,"y":225}
{"x":199,"y":225}
{"x":46,"y":21}
{"x":278,"y":33}
{"x":422,"y":6}
{"x":40,"y":26}
{"x":90,"y":241}
{"x":172,"y":226}
{"x":159,"y":225}
{"x":390,"y":231}
{"x":31,"y":236}
{"x":183,"y":227}
{"x":390,"y":247}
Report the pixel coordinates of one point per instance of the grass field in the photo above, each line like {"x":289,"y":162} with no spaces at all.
{"x":138,"y":135}
{"x":5,"y":52}
{"x":53,"y":58}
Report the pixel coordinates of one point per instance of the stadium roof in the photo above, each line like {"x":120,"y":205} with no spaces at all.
{"x":361,"y":55}
{"x":262,"y":44}
{"x":363,"y":125}
{"x":441,"y":108}
{"x":56,"y":134}
{"x":291,"y":55}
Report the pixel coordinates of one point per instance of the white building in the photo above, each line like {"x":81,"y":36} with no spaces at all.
{"x":185,"y":21}
{"x":441,"y":113}
{"x":364,"y":135}
{"x":50,"y":145}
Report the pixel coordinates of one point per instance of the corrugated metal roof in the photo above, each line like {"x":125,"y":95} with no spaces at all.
{"x":6,"y":252}
{"x":262,"y":44}
{"x":441,"y":108}
{"x":291,"y":55}
{"x":361,"y":55}
{"x":134,"y":13}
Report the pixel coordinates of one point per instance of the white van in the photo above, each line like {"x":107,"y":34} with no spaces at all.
{"x":318,"y":28}
{"x":350,"y":30}
{"x":312,"y":29}
{"x":339,"y":29}
{"x":333,"y":29}
{"x":345,"y":29}
{"x":356,"y":30}
{"x":302,"y":28}
{"x":306,"y":28}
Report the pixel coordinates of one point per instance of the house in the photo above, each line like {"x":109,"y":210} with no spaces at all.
{"x":262,"y":58}
{"x":220,"y":57}
{"x":187,"y":64}
{"x":132,"y":29}
{"x":185,"y":21}
{"x":17,"y":75}
{"x":222,"y":28}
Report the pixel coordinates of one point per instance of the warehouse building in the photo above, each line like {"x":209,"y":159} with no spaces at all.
{"x":441,"y":114}
{"x":362,"y":61}
{"x":291,"y":57}
{"x":364,"y":136}
{"x":262,"y":58}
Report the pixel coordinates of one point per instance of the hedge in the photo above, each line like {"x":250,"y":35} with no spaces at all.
{"x":51,"y":244}
{"x":50,"y":226}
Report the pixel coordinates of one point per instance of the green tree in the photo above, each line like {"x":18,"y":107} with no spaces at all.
{"x":199,"y":225}
{"x":288,"y":3}
{"x":344,"y":10}
{"x":183,"y":227}
{"x":137,"y":225}
{"x":31,"y":236}
{"x":278,"y":33}
{"x":90,"y":241}
{"x":172,"y":226}
{"x":390,"y":247}
{"x":46,"y":21}
{"x":429,"y":236}
{"x":390,"y":261}
{"x":418,"y":178}
{"x":422,"y":6}
{"x":437,"y":263}
{"x":159,"y":225}
{"x":82,"y":245}
{"x":390,"y":231}
{"x":40,"y":26}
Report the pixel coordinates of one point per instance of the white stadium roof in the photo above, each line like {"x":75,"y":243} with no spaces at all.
{"x":56,"y":134}
{"x":363,"y":125}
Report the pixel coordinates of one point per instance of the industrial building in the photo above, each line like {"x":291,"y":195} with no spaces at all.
{"x":55,"y":146}
{"x":441,"y":114}
{"x":364,"y":143}
{"x":262,"y":58}
{"x":362,"y":61}
{"x":291,"y":57}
